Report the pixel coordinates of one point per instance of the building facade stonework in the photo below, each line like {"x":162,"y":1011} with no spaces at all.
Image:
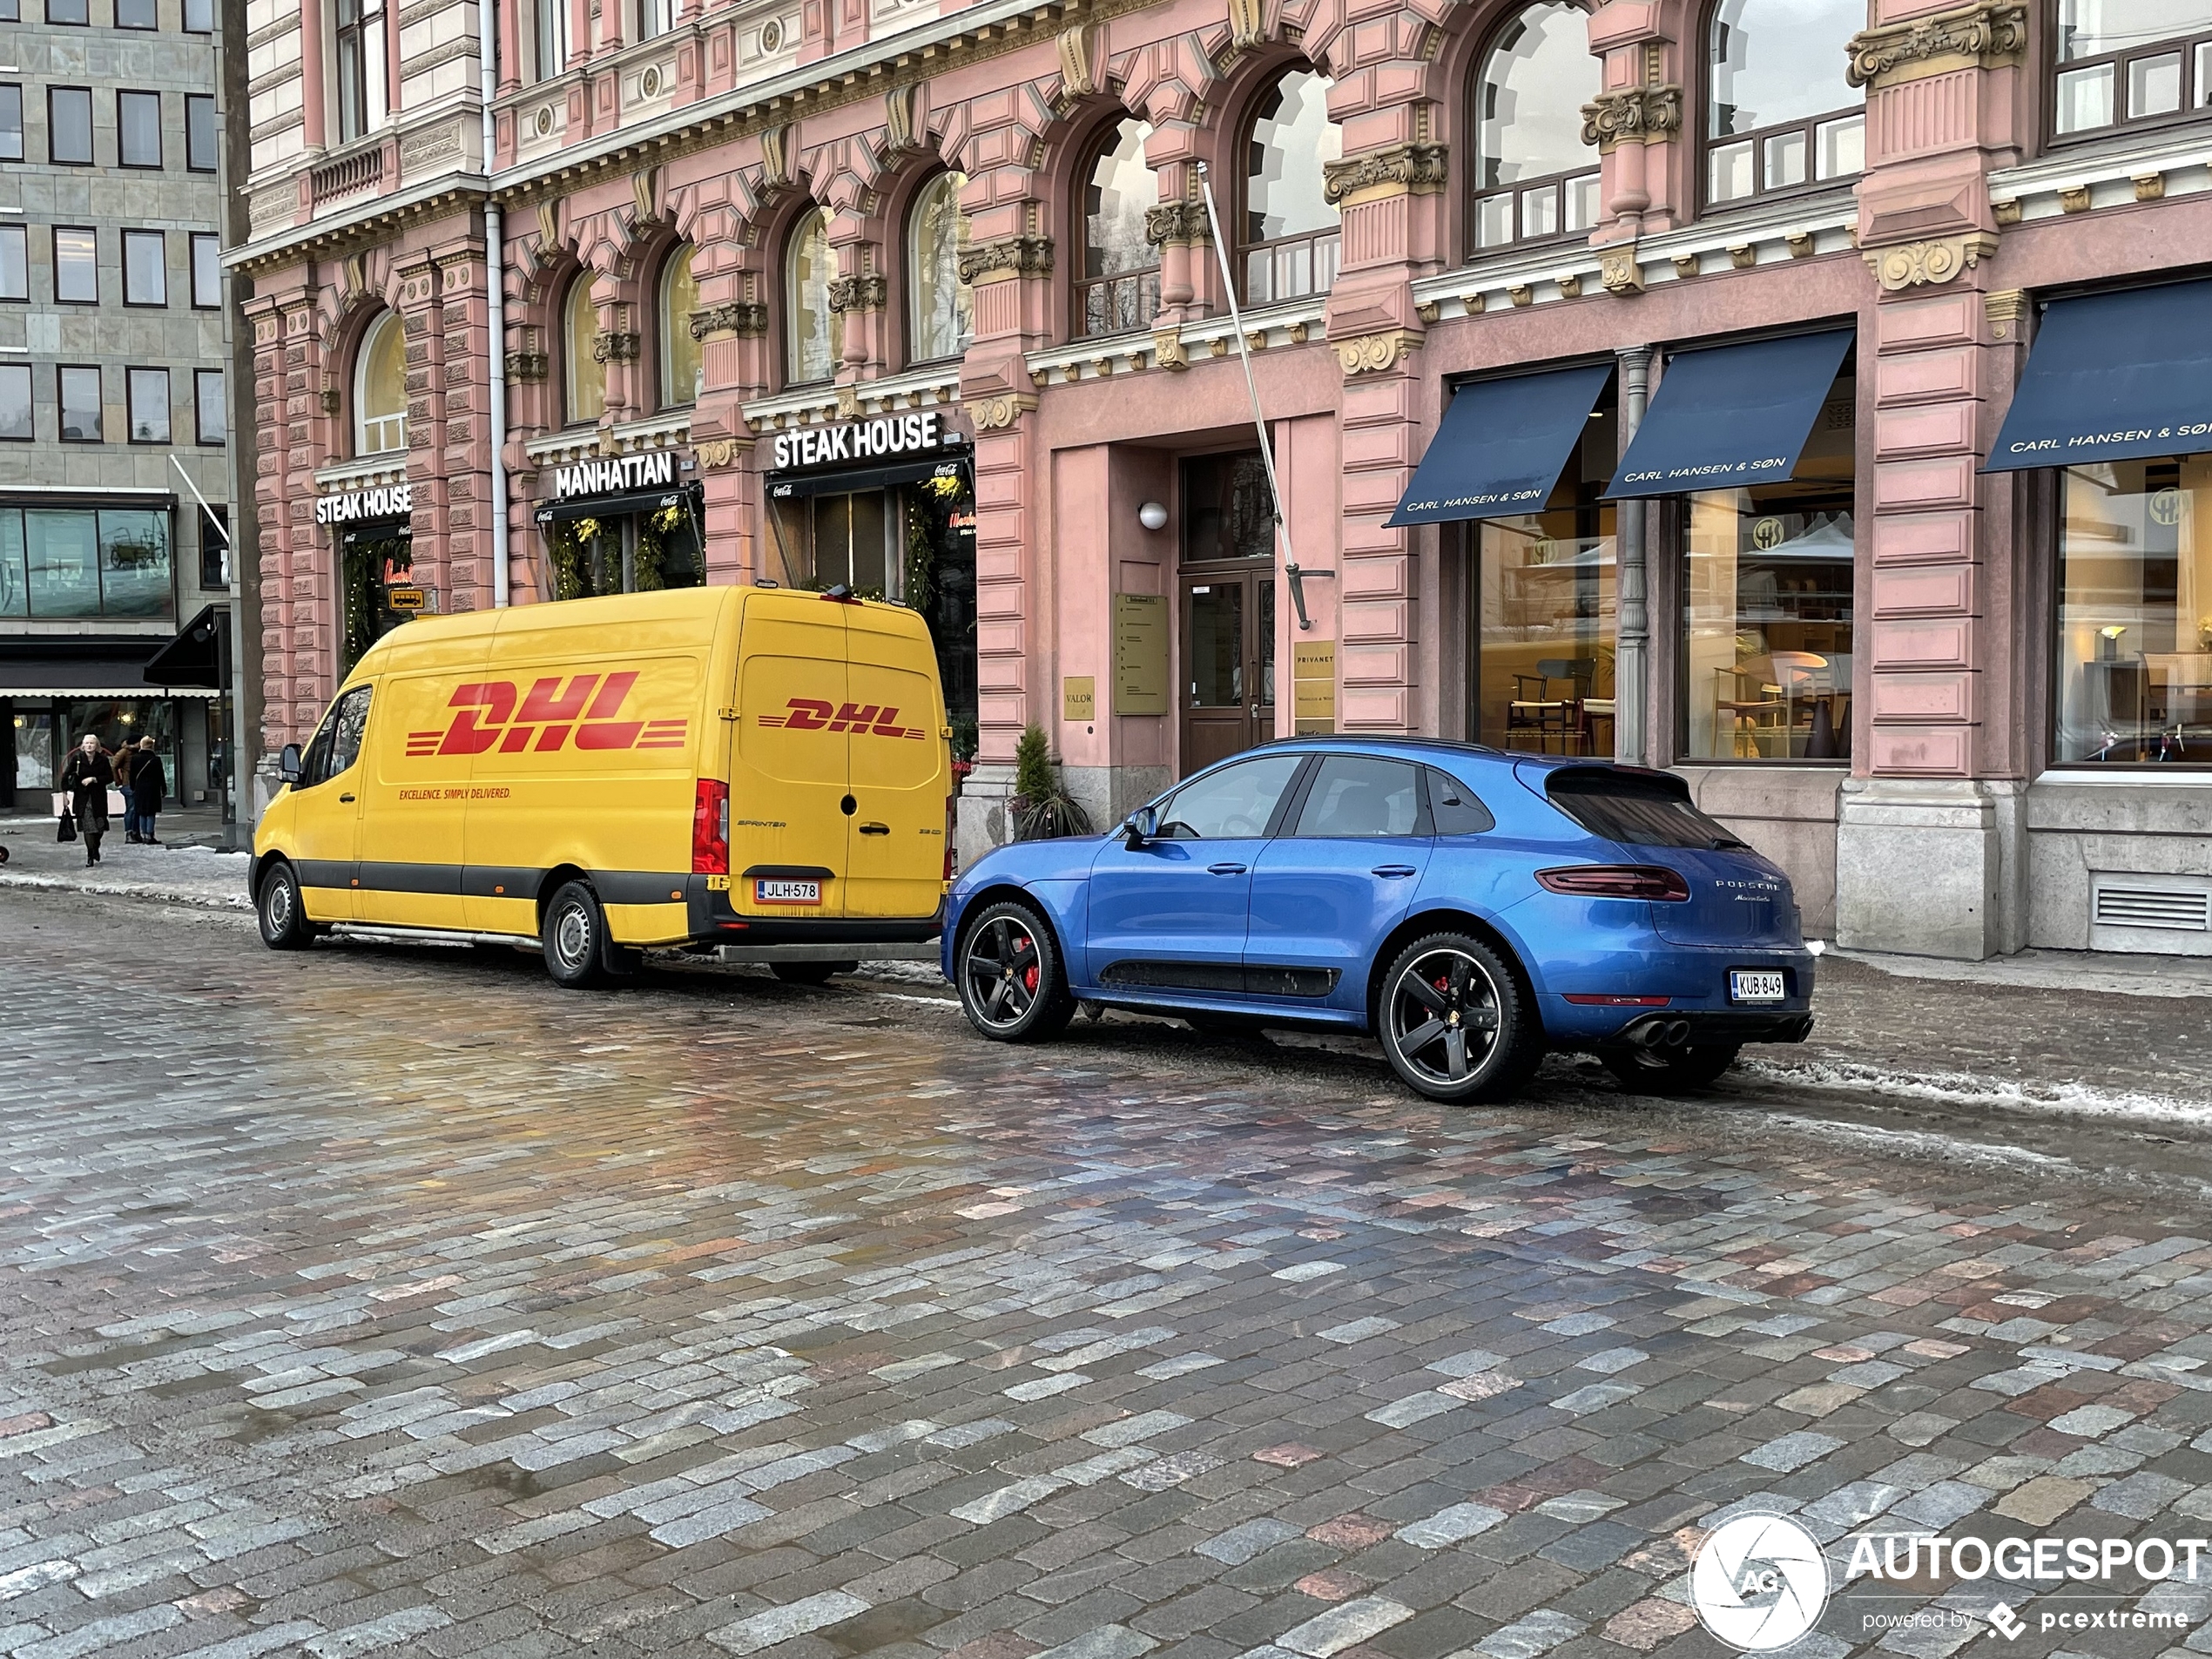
{"x":1967,"y":709}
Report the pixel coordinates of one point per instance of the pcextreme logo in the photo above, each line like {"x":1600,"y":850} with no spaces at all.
{"x":586,"y":707}
{"x":810,"y":714}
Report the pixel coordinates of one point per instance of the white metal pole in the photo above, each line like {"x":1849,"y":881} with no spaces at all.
{"x":495,"y":301}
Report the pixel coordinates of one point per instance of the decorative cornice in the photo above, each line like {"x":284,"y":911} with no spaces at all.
{"x":612,"y":345}
{"x":2003,"y":309}
{"x":1618,"y":269}
{"x":1632,"y":115}
{"x":1372,"y":353}
{"x":1403,"y":169}
{"x":527,"y":367}
{"x":715,"y":453}
{"x":865,"y":293}
{"x":741,"y":318}
{"x":1010,"y":256}
{"x":1918,"y":264}
{"x":1177,"y":224}
{"x":1985,"y":34}
{"x":996,"y":413}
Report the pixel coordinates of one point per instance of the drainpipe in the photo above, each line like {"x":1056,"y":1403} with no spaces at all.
{"x":495,"y":301}
{"x":1631,"y":660}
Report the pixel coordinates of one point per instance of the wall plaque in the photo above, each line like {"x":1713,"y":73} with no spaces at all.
{"x":1313,"y":686}
{"x":1140,"y":653}
{"x":1079,"y":698}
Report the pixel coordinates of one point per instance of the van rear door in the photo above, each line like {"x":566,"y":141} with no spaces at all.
{"x":787,"y":770}
{"x":900,"y":766}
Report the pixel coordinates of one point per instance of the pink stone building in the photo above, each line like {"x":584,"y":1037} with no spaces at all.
{"x":925,"y":299}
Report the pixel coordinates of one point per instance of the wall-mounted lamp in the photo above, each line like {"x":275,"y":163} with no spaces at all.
{"x":1152,"y":516}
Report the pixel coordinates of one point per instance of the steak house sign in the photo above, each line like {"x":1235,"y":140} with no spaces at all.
{"x":876,"y":439}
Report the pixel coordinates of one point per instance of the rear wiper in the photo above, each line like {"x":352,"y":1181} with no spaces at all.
{"x":1723,"y":843}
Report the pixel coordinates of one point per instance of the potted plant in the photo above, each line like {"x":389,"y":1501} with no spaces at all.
{"x":1041,"y":808}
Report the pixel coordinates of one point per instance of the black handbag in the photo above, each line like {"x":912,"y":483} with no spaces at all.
{"x":66,"y":829}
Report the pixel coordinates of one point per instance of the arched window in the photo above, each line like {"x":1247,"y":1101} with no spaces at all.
{"x":940,"y":309}
{"x":1119,"y":287}
{"x":585,"y":376}
{"x":814,"y":335}
{"x":682,"y":369}
{"x":380,"y":388}
{"x":1534,"y":177}
{"x":1781,"y":115}
{"x":2127,"y":61}
{"x":1289,"y":230}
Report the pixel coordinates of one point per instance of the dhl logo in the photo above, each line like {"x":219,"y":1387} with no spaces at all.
{"x":586,"y":707}
{"x":811,"y":714}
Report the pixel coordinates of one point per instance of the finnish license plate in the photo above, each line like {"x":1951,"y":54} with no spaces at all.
{"x":777,"y":890}
{"x":1745,"y":985}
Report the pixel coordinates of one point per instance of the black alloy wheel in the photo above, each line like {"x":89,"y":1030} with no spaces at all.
{"x":1012,"y":987}
{"x":282,"y":915}
{"x":575,"y":937}
{"x":811,"y":973}
{"x":1455,"y":1023}
{"x":1669,"y":1071}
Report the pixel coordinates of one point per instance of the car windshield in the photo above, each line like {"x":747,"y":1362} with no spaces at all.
{"x":1642,"y":812}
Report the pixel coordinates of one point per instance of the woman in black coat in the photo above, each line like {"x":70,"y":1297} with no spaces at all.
{"x":87,"y":776}
{"x":149,"y":786}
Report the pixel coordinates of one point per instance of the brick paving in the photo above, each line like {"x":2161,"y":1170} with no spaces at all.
{"x":377,"y":1301}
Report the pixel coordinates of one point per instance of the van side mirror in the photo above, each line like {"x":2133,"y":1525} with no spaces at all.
{"x":1140,"y":826}
{"x":289,"y":767}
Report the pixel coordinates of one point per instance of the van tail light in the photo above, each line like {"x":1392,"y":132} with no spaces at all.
{"x":952,"y":822}
{"x":1615,"y":881}
{"x":710,"y":828}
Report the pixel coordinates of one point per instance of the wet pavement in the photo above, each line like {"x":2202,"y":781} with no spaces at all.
{"x":393,"y":1300}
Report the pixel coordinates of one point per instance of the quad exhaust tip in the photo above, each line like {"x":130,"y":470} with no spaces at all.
{"x":1663,"y":1033}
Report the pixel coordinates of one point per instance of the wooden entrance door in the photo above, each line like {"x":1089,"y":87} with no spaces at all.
{"x":1228,"y":622}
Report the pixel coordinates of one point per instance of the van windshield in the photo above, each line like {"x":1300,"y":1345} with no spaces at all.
{"x":1642,"y":812}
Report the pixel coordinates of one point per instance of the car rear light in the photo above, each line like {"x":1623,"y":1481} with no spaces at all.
{"x":952,"y":822}
{"x":1615,"y":881}
{"x":1606,"y":1000}
{"x":710,"y":828}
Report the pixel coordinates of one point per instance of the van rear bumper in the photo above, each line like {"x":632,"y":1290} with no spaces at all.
{"x":712,"y":922}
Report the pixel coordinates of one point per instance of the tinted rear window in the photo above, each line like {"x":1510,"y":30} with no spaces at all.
{"x":1643,"y":811}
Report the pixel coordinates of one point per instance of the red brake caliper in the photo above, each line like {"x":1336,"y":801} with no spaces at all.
{"x":1028,"y":974}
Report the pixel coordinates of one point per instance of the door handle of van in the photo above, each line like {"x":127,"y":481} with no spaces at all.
{"x":345,"y":798}
{"x":875,"y":829}
{"x":1392,"y":870}
{"x":1224,"y":869}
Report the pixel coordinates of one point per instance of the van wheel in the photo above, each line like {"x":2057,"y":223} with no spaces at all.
{"x":1012,"y":987}
{"x":1455,"y":1023}
{"x":575,"y":937}
{"x":283,"y":914}
{"x":811,"y":973}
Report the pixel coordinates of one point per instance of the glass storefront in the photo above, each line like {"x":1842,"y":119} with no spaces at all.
{"x":67,"y":563}
{"x":632,"y":550}
{"x":2133,"y":676}
{"x":373,"y":559}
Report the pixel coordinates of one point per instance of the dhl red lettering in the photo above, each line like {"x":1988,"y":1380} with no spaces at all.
{"x":551,"y":738}
{"x":548,"y":702}
{"x":885,"y":726}
{"x":518,"y":739}
{"x":609,"y":701}
{"x":808,"y":715}
{"x":614,"y":734}
{"x":852,"y":717}
{"x":464,"y":737}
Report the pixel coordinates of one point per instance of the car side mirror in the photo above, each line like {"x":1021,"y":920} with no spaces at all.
{"x":1140,"y":826}
{"x":289,"y":767}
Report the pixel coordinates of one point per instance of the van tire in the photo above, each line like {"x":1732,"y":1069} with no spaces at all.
{"x":575,"y":937}
{"x":811,"y":973}
{"x":1035,"y":1004}
{"x":280,"y":911}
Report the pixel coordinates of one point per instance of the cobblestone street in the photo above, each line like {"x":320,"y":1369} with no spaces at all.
{"x":382,"y":1300}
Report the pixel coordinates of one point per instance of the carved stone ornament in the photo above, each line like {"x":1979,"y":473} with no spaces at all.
{"x":1919,"y":265}
{"x":1247,"y":23}
{"x":1372,"y":353}
{"x":996,"y":413}
{"x":328,"y":399}
{"x":858,"y":293}
{"x":1404,"y":169}
{"x":610,"y":346}
{"x":527,"y":367}
{"x":1618,"y":270}
{"x":715,"y":453}
{"x":1177,"y":224}
{"x":902,"y":119}
{"x":1168,"y":350}
{"x":2004,"y":310}
{"x":1010,"y":256}
{"x":744,"y":318}
{"x":1987,"y":34}
{"x":1082,"y":61}
{"x":1632,"y":115}
{"x":775,"y":157}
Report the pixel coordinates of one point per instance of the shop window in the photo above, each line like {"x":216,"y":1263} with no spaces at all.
{"x":77,"y":265}
{"x":15,"y":401}
{"x":147,"y":393}
{"x":199,"y":132}
{"x":1767,"y":607}
{"x":372,"y":562}
{"x":940,"y":309}
{"x":380,"y":388}
{"x":1290,"y":231}
{"x":2135,"y":626}
{"x":214,"y":523}
{"x":78,"y":394}
{"x":549,"y":38}
{"x":2120,"y":62}
{"x":69,"y":125}
{"x":12,"y":121}
{"x":1540,"y":616}
{"x":81,"y":563}
{"x":137,"y":129}
{"x":359,"y":69}
{"x":15,"y":262}
{"x":584,"y":377}
{"x":1780,"y":115}
{"x":1533,"y":178}
{"x":639,"y":552}
{"x":145,"y":268}
{"x":1119,"y":289}
{"x":207,"y":271}
{"x":682,"y":367}
{"x":813,"y":334}
{"x":14,"y":602}
{"x":211,"y":418}
{"x":851,"y":543}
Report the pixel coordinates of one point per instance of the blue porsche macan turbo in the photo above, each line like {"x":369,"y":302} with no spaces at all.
{"x":1471,"y":909}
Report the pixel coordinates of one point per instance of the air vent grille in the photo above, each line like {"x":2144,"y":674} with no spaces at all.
{"x":2176,"y":909}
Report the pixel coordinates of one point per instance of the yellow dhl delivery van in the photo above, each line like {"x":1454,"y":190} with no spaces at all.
{"x":734,"y":766}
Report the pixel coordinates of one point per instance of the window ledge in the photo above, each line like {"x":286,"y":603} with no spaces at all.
{"x":933,"y":385}
{"x":2075,"y":180}
{"x":1296,"y":322}
{"x":2150,"y":774}
{"x":387,"y":468}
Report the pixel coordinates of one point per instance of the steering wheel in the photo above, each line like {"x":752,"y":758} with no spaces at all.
{"x":1238,"y":827}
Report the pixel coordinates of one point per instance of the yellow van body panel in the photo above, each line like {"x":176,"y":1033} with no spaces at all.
{"x":899,"y":763}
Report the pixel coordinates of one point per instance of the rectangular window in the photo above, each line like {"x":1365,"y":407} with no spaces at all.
{"x":134,"y":560}
{"x":76,"y":266}
{"x":199,"y":132}
{"x":200,"y":17}
{"x":207,"y":271}
{"x":14,"y":602}
{"x":136,"y":14}
{"x":11,"y":122}
{"x":209,"y":414}
{"x":11,"y":11}
{"x":353,"y":71}
{"x":71,"y":11}
{"x":148,"y":392}
{"x":15,"y":401}
{"x":137,"y":129}
{"x":548,"y":22}
{"x":15,"y":262}
{"x":2134,"y":625}
{"x":214,"y":545}
{"x":62,"y":551}
{"x":145,"y":268}
{"x":80,"y":405}
{"x":69,"y":125}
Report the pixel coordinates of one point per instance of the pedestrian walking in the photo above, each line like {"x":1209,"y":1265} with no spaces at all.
{"x":120,"y":759}
{"x":87,"y":776}
{"x":149,"y":789}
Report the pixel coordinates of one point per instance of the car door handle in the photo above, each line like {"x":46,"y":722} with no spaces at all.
{"x":1224,"y":869}
{"x":1392,"y":870}
{"x":345,"y":798}
{"x":875,"y":829}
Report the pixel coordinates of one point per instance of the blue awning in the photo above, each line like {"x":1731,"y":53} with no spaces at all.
{"x":2114,"y":377}
{"x":1727,"y":416}
{"x":1501,"y":446}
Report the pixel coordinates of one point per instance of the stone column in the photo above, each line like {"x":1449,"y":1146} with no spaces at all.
{"x":421,"y":313}
{"x":732,"y":336}
{"x":1634,"y":121}
{"x":464,"y":449}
